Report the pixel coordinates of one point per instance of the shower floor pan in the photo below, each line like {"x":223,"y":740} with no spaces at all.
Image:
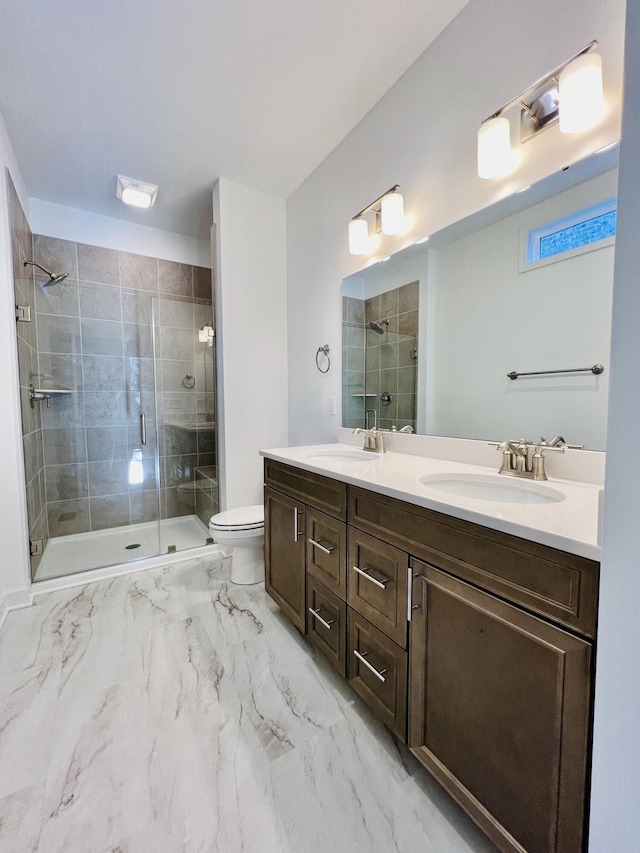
{"x":80,"y":552}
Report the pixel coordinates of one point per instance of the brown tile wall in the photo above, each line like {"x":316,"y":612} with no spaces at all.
{"x":374,"y":363}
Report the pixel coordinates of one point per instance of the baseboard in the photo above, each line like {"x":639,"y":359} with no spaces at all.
{"x":14,"y":599}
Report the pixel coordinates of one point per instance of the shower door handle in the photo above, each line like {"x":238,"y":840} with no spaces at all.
{"x":143,"y":429}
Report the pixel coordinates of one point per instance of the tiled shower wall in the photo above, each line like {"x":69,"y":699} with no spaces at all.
{"x":377,"y":363}
{"x":24,"y":291}
{"x":94,"y":337}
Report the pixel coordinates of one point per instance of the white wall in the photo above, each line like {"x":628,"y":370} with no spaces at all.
{"x":615,"y":816}
{"x":422,"y":135}
{"x":80,"y":226}
{"x":491,"y":318}
{"x":14,"y":535}
{"x":252,"y":359}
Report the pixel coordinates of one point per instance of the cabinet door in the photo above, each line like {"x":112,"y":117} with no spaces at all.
{"x":326,"y":551}
{"x":377,"y":584}
{"x":284,"y":520}
{"x":499,"y":713}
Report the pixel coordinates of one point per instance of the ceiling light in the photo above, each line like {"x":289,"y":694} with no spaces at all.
{"x":136,"y":193}
{"x":419,"y":242}
{"x":571,"y":94}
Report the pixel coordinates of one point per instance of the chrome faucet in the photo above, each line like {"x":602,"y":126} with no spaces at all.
{"x":516,"y":461}
{"x":373,"y":439}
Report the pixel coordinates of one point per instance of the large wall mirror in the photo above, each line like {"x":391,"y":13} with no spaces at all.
{"x":431,"y":334}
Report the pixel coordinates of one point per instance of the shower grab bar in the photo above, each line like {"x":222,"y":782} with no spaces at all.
{"x":143,"y":429}
{"x":596,"y":368}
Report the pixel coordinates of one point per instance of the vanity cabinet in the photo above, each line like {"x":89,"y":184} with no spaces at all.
{"x":474,"y":646}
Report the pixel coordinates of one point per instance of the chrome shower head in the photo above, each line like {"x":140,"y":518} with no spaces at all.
{"x":53,"y":278}
{"x":377,"y":327}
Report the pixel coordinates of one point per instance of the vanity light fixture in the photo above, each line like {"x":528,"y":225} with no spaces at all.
{"x":389,"y":218}
{"x":571,"y":94}
{"x":136,"y":193}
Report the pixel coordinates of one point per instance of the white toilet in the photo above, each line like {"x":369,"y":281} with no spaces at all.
{"x":242,"y":530}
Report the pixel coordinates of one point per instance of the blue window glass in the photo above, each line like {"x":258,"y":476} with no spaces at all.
{"x":583,"y":228}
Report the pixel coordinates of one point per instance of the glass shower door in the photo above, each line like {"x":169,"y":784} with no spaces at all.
{"x":185,"y":371}
{"x":91,"y":383}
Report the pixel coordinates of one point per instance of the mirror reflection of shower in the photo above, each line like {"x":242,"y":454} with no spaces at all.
{"x":54,"y":278}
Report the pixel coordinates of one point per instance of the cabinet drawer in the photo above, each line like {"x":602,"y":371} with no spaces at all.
{"x":326,"y":551}
{"x":559,"y":585}
{"x":317,"y":491}
{"x":377,"y":671}
{"x":378,"y":584}
{"x":327,"y":624}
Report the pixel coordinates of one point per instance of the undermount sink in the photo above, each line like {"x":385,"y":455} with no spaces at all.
{"x":343,"y":455}
{"x":485,"y":487}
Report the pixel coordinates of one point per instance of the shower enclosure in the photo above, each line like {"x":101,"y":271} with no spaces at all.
{"x":117,"y":383}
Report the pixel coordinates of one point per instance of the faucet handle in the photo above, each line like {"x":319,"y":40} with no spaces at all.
{"x":537,"y":463}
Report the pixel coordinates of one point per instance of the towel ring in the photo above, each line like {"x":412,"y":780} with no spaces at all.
{"x":188,"y":381}
{"x":323,"y":351}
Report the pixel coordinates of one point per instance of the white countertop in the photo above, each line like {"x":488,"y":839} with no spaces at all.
{"x":570,"y":524}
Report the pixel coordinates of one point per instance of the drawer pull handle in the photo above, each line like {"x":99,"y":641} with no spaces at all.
{"x":382,"y":584}
{"x":362,"y":659}
{"x":316,"y":614}
{"x":324,"y":548}
{"x":296,"y":532}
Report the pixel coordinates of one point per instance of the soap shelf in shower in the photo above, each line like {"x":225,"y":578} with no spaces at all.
{"x":39,"y":395}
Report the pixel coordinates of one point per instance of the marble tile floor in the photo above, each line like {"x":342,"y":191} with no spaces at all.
{"x":170,"y":711}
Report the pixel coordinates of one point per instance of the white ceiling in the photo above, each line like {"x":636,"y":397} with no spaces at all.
{"x":181,"y":93}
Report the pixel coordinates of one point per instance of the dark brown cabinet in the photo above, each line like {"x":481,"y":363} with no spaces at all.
{"x":377,"y":671}
{"x":284,"y":554}
{"x":474,"y":646}
{"x":326,"y":551}
{"x":327,"y":624}
{"x":499,"y":713}
{"x":377,"y":584}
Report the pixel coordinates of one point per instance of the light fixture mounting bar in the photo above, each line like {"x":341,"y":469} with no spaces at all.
{"x":373,"y":204}
{"x":551,"y":76}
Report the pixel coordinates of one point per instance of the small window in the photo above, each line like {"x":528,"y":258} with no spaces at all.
{"x":583,"y":231}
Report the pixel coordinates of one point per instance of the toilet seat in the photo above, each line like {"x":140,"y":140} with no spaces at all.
{"x":241,"y":518}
